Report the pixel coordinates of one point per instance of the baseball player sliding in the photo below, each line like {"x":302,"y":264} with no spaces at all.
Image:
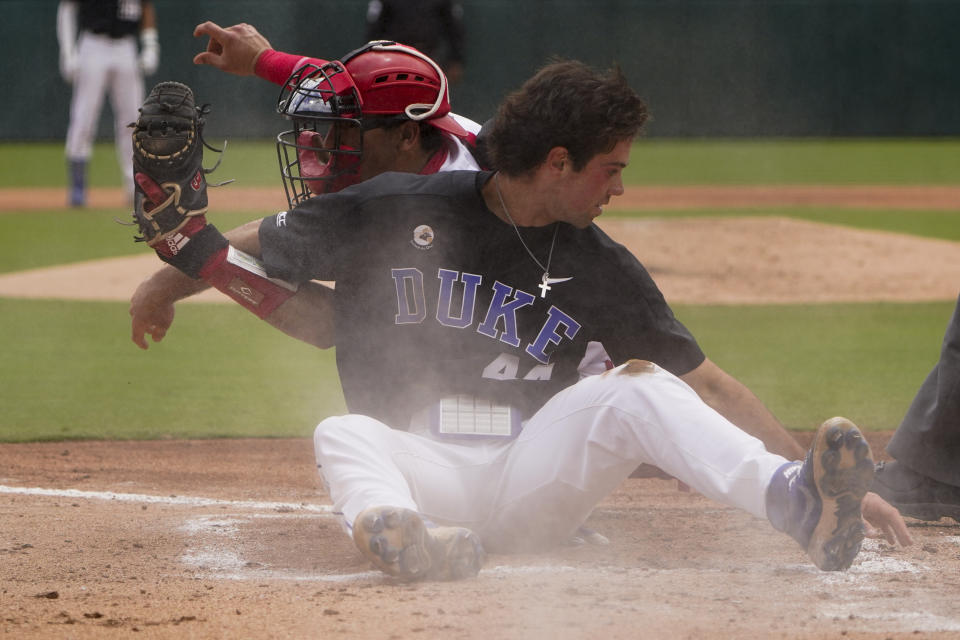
{"x":240,"y":49}
{"x":505,"y":363}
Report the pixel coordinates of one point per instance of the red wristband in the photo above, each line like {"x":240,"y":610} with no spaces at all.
{"x":276,"y":66}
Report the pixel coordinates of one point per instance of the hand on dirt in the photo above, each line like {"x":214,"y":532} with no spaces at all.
{"x":882,"y":520}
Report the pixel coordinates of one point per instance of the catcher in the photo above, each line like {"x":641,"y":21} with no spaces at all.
{"x":494,"y":416}
{"x":379,"y":137}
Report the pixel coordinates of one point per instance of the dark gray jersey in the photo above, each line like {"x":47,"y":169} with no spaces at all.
{"x":438,"y":295}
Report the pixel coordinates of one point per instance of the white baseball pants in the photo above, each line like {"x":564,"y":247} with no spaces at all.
{"x":537,"y":489}
{"x":105,"y":64}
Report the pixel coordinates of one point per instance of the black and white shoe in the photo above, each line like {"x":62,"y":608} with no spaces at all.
{"x":915,"y":495}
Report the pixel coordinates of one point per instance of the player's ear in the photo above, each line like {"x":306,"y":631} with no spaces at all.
{"x":558,"y":159}
{"x":408,"y":135}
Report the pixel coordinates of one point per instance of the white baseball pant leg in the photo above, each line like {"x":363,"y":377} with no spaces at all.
{"x":105,"y":64}
{"x":536,"y":490}
{"x":587,"y":439}
{"x":89,"y":85}
{"x":365,"y":463}
{"x":126,"y":96}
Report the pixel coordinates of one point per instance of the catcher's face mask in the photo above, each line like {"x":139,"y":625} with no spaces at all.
{"x":323,"y":150}
{"x":381,"y":84}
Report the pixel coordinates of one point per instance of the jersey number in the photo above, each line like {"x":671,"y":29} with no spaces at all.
{"x":506,"y":366}
{"x":128,"y":10}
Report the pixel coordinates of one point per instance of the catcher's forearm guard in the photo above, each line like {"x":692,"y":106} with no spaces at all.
{"x":243,"y":278}
{"x":203,"y":253}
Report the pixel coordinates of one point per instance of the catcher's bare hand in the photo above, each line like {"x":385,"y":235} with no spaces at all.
{"x":884,"y":521}
{"x":235,"y":49}
{"x":152,"y":304}
{"x":149,"y":315}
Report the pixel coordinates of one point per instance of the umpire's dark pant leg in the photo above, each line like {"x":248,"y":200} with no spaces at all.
{"x":928,"y":439}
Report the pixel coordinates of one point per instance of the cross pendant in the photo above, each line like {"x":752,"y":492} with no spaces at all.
{"x":544,"y":287}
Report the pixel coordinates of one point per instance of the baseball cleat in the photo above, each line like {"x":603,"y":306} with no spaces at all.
{"x":401,"y":544}
{"x":78,"y":183}
{"x":817,"y":502}
{"x":916,"y":495}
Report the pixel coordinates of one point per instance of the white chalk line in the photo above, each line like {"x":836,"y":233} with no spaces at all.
{"x":378,"y":576}
{"x":894,"y":615}
{"x":187,"y":501}
{"x":214,"y":556}
{"x":211,"y":556}
{"x":217,"y":561}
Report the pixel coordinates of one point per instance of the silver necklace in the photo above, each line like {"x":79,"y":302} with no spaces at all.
{"x":544,"y":285}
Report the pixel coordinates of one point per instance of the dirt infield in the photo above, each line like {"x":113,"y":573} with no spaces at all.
{"x":234,"y":538}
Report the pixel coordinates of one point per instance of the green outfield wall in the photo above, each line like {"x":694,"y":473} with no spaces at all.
{"x":707,"y":67}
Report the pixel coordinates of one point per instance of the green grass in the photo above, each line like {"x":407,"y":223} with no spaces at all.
{"x":807,"y":161}
{"x":810,"y":362}
{"x":41,"y":238}
{"x":70,"y":371}
{"x":653,"y":161}
{"x":42,"y":164}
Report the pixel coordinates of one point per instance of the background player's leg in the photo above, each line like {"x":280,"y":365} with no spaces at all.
{"x":126,"y":96}
{"x":85,"y":104}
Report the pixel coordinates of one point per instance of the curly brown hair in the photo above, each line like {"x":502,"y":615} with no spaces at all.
{"x":566,"y":104}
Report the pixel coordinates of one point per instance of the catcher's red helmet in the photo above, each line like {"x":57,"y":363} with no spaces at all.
{"x":379,"y":83}
{"x":396,"y":79}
